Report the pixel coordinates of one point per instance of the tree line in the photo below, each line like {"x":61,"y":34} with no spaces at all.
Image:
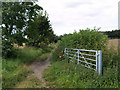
{"x":113,"y":33}
{"x":25,"y":22}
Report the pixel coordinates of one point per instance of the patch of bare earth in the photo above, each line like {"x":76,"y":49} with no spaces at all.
{"x":38,"y":68}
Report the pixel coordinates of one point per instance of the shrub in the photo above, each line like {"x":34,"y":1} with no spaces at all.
{"x":84,"y":39}
{"x":8,"y":50}
{"x":62,"y":74}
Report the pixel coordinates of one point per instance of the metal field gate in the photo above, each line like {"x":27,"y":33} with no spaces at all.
{"x":89,"y":58}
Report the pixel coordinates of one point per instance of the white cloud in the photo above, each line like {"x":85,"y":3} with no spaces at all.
{"x":69,"y":15}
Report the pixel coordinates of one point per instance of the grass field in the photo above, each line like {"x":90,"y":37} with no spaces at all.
{"x":114,"y":43}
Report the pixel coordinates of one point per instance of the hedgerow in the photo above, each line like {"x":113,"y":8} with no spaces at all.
{"x":84,"y":39}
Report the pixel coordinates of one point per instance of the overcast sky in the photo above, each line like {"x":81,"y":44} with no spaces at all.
{"x":69,"y":15}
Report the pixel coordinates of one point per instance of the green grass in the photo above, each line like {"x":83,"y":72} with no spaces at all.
{"x":68,"y":75}
{"x":28,"y":54}
{"x":42,"y":57}
{"x":62,"y":74}
{"x":15,"y":70}
{"x":32,"y":82}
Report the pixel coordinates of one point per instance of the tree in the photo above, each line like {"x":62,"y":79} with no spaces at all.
{"x":113,"y":33}
{"x":39,"y":31}
{"x":15,"y":18}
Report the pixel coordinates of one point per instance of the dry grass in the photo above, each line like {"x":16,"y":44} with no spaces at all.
{"x":17,"y":46}
{"x":113,"y":43}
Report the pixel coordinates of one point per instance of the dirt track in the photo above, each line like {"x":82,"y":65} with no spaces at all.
{"x":38,"y":68}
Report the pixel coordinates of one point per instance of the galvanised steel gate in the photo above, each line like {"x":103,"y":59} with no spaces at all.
{"x":89,"y":58}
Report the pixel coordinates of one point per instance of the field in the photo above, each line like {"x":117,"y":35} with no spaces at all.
{"x":114,"y":43}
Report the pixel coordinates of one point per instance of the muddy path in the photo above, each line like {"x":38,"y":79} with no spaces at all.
{"x":38,"y":68}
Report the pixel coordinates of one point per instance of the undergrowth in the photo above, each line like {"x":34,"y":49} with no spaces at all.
{"x":32,"y":82}
{"x":69,"y":75}
{"x":42,"y":57}
{"x":62,"y":74}
{"x":15,"y":70}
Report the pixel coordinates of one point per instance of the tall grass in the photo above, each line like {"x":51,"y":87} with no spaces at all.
{"x":43,"y":57}
{"x":32,"y":82}
{"x":15,"y":70}
{"x":28,"y":54}
{"x":69,"y":75}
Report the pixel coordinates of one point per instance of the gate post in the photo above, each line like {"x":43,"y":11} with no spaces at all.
{"x":78,"y":56}
{"x":100,"y":62}
{"x":65,"y":51}
{"x":96,"y":60}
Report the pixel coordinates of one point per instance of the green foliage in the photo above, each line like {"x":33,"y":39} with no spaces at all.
{"x":14,"y":70}
{"x":39,"y":31}
{"x":113,"y":33}
{"x":109,"y":58}
{"x":55,"y":53}
{"x":28,"y":54}
{"x":68,"y":75}
{"x":49,"y":48}
{"x":8,"y":50}
{"x":85,"y":39}
{"x":89,"y":39}
{"x":32,"y":82}
{"x":15,"y":17}
{"x":43,"y":57}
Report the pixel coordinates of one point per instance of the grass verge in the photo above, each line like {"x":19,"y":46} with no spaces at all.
{"x":15,"y":70}
{"x":68,"y":75}
{"x":32,"y":82}
{"x":13,"y":73}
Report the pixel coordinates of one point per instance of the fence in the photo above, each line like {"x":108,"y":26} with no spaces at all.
{"x":89,"y":58}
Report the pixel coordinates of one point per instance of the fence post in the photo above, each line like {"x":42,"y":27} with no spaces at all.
{"x":65,"y":51}
{"x":78,"y":56}
{"x":100,"y":62}
{"x":96,"y":60}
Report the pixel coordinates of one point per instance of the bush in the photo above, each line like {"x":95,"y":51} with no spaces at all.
{"x":8,"y":50}
{"x":62,"y":74}
{"x":55,"y":52}
{"x":89,"y":39}
{"x":109,"y":58}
